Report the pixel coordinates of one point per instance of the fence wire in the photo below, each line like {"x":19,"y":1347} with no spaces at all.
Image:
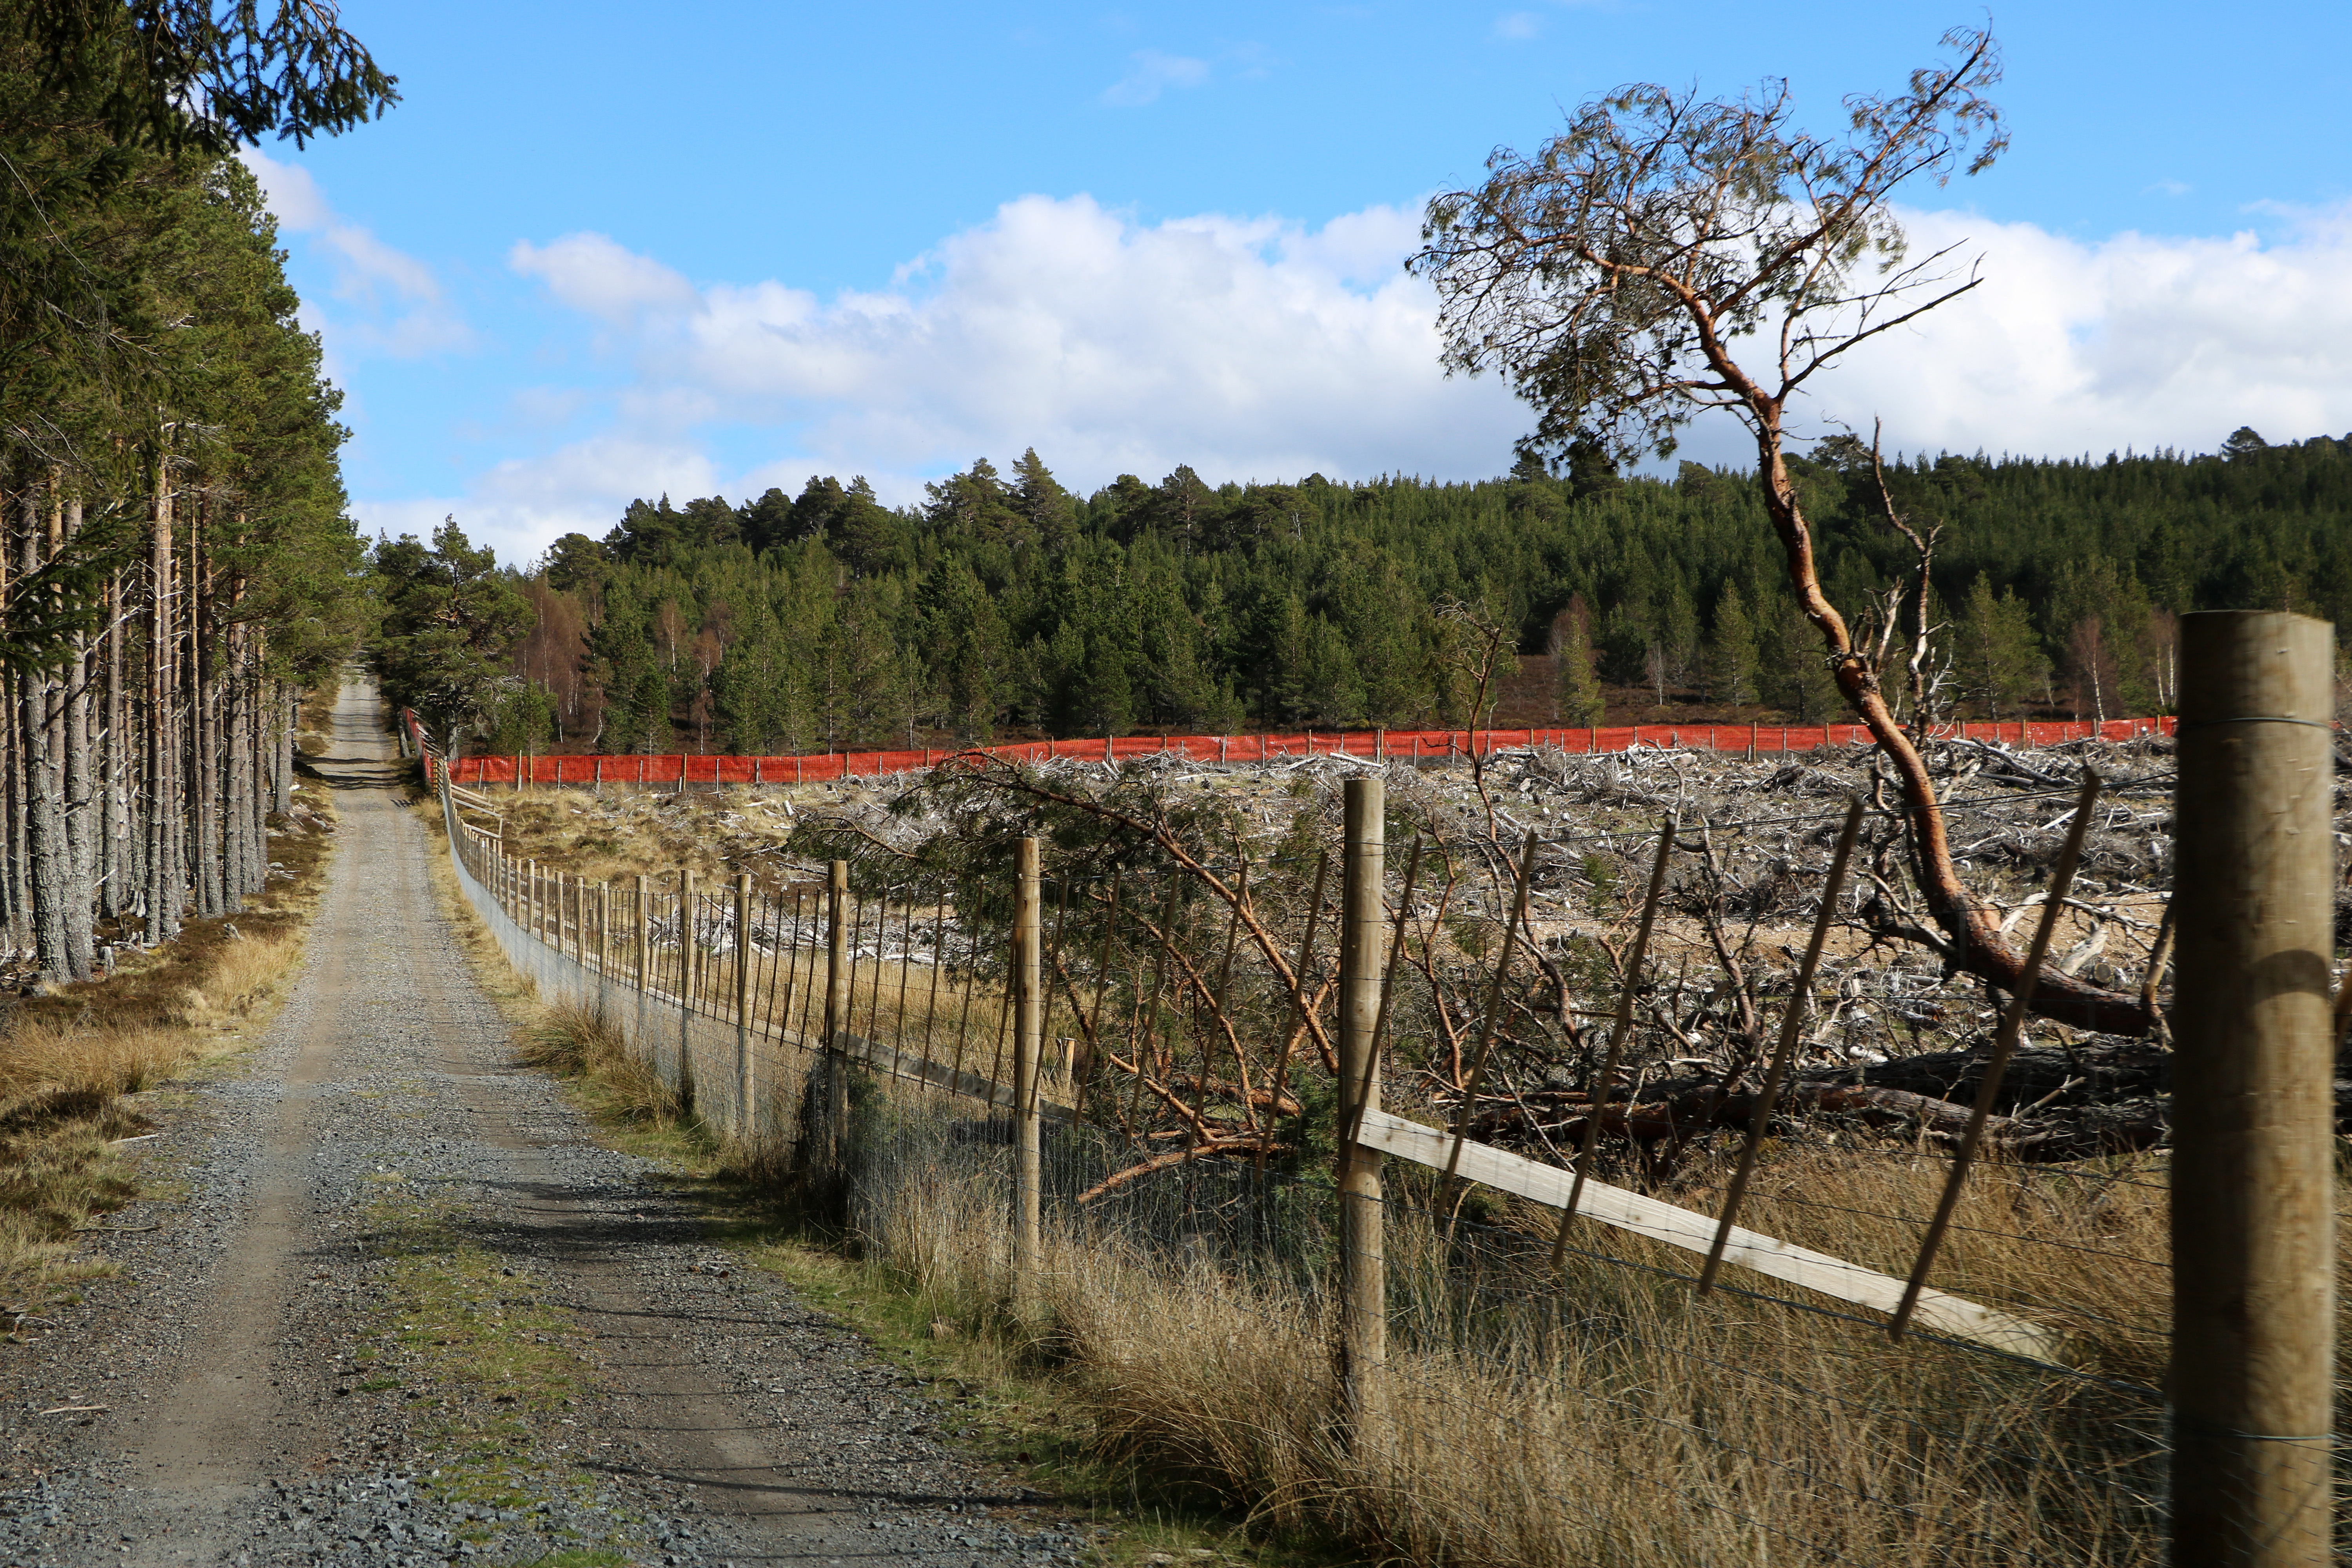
{"x":1553,"y":1395}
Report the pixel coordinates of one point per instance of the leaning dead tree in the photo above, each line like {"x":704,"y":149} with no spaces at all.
{"x":1616,"y":278}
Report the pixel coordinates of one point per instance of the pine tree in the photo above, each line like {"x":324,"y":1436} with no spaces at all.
{"x":1999,"y":659}
{"x":450,"y":623}
{"x":1731,"y":649}
{"x":1579,"y":696}
{"x":1048,"y":512}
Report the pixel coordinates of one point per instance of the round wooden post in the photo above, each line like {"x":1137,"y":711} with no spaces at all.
{"x":1028,"y":1039}
{"x":1363,"y":1291}
{"x":689,"y":951}
{"x":604,"y":928}
{"x":745,"y":1074}
{"x":834,"y":1143}
{"x":2252,"y":1098}
{"x":645,"y":944}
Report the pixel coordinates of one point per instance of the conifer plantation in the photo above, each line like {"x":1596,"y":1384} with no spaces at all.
{"x":1007,"y":604}
{"x":177,"y":567}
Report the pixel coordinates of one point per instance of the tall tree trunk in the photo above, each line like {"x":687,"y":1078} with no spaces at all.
{"x":74,"y":771}
{"x":258,"y":755}
{"x":114,"y":877}
{"x":162,"y":898}
{"x":239,"y":878}
{"x":45,"y":822}
{"x":12,"y":765}
{"x":204,"y":708}
{"x":289,"y":713}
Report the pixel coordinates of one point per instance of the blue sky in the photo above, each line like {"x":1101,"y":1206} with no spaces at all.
{"x":605,"y":251}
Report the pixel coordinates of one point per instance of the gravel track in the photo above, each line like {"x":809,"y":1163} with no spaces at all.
{"x":245,"y":1392}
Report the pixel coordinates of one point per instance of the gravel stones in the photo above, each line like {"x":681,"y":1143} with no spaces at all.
{"x":398,"y":1307}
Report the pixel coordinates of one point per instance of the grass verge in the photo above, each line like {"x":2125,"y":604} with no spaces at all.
{"x":79,"y":1063}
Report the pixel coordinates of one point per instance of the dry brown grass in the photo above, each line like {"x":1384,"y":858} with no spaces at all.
{"x":573,"y":1042}
{"x":1617,"y":1418}
{"x":64,"y":1077}
{"x":314,"y":722}
{"x":69,"y":1057}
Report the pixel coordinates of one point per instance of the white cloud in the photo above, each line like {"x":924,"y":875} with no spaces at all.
{"x":1241,"y":346}
{"x":1258,"y":348}
{"x":522,"y":504}
{"x":2137,"y":341}
{"x":592,"y":274}
{"x":1246,"y":347}
{"x":1517,"y":24}
{"x":1154,"y":73}
{"x":394,"y":302}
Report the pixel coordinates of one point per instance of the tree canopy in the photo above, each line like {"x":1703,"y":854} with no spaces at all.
{"x":797,"y":625}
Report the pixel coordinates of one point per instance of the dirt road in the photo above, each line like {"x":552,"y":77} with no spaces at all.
{"x":393,"y":1304}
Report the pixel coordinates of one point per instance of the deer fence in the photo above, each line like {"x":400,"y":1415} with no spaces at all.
{"x":1350,"y":1184}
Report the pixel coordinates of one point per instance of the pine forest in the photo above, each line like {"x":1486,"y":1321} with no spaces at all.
{"x":1007,"y":606}
{"x":178,"y":568}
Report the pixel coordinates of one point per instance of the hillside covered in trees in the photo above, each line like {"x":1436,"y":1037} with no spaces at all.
{"x":1007,"y":604}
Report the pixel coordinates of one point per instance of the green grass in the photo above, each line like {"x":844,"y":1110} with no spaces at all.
{"x":495,"y":1361}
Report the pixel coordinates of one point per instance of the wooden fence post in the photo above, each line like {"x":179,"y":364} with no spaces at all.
{"x":689,"y":951}
{"x":530,"y":922}
{"x":746,"y":1125}
{"x":1028,"y":1039}
{"x":2252,"y":1101}
{"x":1363,"y":1289}
{"x":834,"y":1143}
{"x":645,"y":943}
{"x":604,"y":928}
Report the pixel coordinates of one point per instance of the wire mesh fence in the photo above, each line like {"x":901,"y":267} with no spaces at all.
{"x":1549,"y":1390}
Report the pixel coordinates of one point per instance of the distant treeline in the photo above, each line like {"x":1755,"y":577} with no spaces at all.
{"x":1007,"y":603}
